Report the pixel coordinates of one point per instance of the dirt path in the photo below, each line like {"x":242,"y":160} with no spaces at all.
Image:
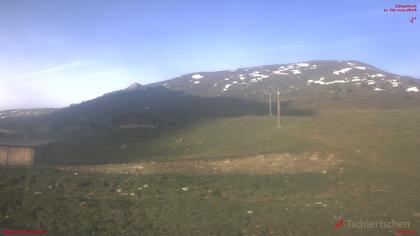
{"x":260,"y":164}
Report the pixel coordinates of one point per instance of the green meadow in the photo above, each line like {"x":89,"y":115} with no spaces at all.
{"x":376,"y":177}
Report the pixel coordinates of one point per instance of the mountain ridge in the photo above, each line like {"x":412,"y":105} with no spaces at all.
{"x":321,"y":72}
{"x":304,"y":86}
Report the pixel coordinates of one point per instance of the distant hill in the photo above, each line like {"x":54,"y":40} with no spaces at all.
{"x":304,"y":88}
{"x":22,"y":113}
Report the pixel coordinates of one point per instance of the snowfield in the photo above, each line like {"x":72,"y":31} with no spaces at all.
{"x":197,"y":76}
{"x":342,"y":71}
{"x":413,"y":89}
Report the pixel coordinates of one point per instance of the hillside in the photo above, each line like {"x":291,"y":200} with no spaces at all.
{"x":293,"y":79}
{"x":226,"y":176}
{"x":219,"y":165}
{"x":305,"y":87}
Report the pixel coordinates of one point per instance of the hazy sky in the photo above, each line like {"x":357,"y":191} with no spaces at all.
{"x":57,"y":52}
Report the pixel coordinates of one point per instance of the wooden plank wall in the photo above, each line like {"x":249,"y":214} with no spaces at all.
{"x":3,"y":155}
{"x":16,"y":156}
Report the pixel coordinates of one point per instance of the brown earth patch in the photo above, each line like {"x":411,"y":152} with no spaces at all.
{"x":261,"y":164}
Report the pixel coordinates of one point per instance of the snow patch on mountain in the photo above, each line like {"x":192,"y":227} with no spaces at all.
{"x":394,"y":83}
{"x":279,"y":72}
{"x":342,"y":71}
{"x":412,"y":89}
{"x":227,"y":86}
{"x":302,"y":64}
{"x":379,"y":75}
{"x":257,"y":74}
{"x":370,"y":82}
{"x":322,"y":82}
{"x":197,"y":76}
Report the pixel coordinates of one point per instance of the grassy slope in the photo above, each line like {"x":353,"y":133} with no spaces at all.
{"x":327,"y":131}
{"x":379,"y":179}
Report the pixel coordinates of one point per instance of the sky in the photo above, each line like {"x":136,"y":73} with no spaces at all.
{"x":57,"y":52}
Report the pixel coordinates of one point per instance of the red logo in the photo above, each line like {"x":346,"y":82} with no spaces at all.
{"x":11,"y":231}
{"x":340,"y":222}
{"x":399,"y":232}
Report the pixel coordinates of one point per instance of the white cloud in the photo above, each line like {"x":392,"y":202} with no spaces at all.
{"x":64,"y":84}
{"x":55,"y":68}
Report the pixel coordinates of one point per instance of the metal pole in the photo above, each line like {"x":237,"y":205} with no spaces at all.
{"x":278,"y":110}
{"x":269,"y":104}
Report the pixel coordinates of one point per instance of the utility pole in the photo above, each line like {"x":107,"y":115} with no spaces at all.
{"x":269,"y":104}
{"x":278,"y":109}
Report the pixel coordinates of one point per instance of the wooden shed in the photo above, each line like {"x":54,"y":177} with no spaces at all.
{"x":22,"y":151}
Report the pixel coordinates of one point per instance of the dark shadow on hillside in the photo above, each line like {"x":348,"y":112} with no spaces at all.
{"x":88,"y":134}
{"x":157,"y":103}
{"x":287,"y":110}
